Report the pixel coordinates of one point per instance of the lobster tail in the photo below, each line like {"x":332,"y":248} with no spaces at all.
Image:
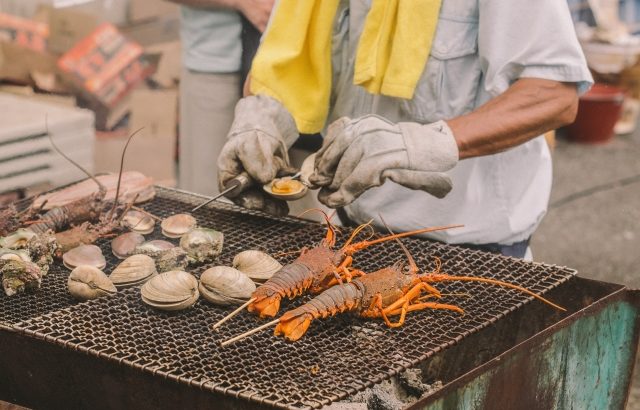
{"x":293,"y":324}
{"x":266,"y":303}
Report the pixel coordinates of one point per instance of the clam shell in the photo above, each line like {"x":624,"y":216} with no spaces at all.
{"x":86,"y":282}
{"x":134,"y":270}
{"x":18,"y":239}
{"x":223,"y":285}
{"x":173,"y":290}
{"x":157,"y":245}
{"x":258,"y":265}
{"x":123,"y":245}
{"x":84,"y":255}
{"x":139,"y":222}
{"x":177,"y":225}
{"x":202,"y":244}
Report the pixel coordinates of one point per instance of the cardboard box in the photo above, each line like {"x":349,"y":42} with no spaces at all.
{"x":144,"y":10}
{"x":67,"y":27}
{"x":152,"y":150}
{"x":167,"y":60}
{"x":104,"y":68}
{"x":22,"y":32}
{"x":158,"y":31}
{"x":17,"y":63}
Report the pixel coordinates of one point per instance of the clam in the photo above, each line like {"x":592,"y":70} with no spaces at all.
{"x":84,"y":255}
{"x":202,"y":244}
{"x":123,"y":245}
{"x":256,"y":264}
{"x":86,"y":282}
{"x":177,"y":225}
{"x":173,"y":290}
{"x":286,"y":188}
{"x":222,"y":285}
{"x":157,"y":245}
{"x":138,"y":221}
{"x":18,"y":239}
{"x":133,"y":271}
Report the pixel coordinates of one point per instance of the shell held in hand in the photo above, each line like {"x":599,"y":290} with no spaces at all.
{"x":173,"y":290}
{"x":177,"y":225}
{"x":202,"y":245}
{"x":86,"y":283}
{"x":133,"y":271}
{"x":84,"y":255}
{"x":139,"y":222}
{"x":222,"y":285}
{"x":258,"y":265}
{"x":123,"y":245}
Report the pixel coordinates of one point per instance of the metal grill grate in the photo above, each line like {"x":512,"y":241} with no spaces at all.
{"x":336,"y":358}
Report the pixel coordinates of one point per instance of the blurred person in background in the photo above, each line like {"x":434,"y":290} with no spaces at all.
{"x":211,"y":81}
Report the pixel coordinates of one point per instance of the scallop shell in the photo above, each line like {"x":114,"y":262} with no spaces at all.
{"x":222,"y":285}
{"x":84,"y":255}
{"x":86,"y":282}
{"x":294,"y":189}
{"x":177,"y":225}
{"x":202,"y":244}
{"x":18,"y":239}
{"x":138,"y":221}
{"x":258,"y":265}
{"x":133,"y":271}
{"x":124,"y":245}
{"x":173,"y":290}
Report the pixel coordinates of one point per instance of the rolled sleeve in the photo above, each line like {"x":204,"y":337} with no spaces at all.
{"x":529,"y":39}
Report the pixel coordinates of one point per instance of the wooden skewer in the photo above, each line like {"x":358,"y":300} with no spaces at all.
{"x":249,"y":333}
{"x":232,"y":314}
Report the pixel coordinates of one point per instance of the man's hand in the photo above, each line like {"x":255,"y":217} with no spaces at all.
{"x":261,"y":133}
{"x":256,"y":11}
{"x":360,"y":154}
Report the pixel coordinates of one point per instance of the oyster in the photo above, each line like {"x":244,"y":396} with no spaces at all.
{"x":222,"y":285}
{"x":133,"y":271}
{"x":17,"y":240}
{"x":12,"y":254}
{"x":18,"y":274}
{"x":41,"y":249}
{"x":84,"y":255}
{"x":286,"y":188}
{"x":257,"y":265}
{"x":177,"y":225}
{"x":86,"y":282}
{"x":139,"y":222}
{"x":174,"y":258}
{"x":202,"y":245}
{"x":124,"y":245}
{"x":173,"y":290}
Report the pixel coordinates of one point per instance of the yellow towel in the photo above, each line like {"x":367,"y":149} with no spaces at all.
{"x":293,"y":63}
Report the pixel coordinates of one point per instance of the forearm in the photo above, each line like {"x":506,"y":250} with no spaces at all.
{"x":530,"y":107}
{"x":230,"y":4}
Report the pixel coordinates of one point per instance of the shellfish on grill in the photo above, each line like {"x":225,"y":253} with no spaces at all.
{"x":133,"y":271}
{"x":202,"y":245}
{"x":174,"y":258}
{"x":124,"y":245}
{"x":177,"y":225}
{"x":222,"y":285}
{"x":86,"y":282}
{"x":19,"y":274}
{"x":173,"y":290}
{"x":17,"y":239}
{"x":257,"y":265}
{"x":84,"y":255}
{"x":157,"y":245}
{"x":137,"y":221}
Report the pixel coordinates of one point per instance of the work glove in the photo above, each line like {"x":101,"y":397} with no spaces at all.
{"x":360,"y":154}
{"x":260,"y":136}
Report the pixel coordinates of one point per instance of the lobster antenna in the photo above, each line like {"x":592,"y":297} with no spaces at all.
{"x":326,"y":218}
{"x":412,"y":262}
{"x":124,"y":151}
{"x":59,"y":151}
{"x":356,"y":232}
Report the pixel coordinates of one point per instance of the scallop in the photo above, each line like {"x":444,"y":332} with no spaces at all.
{"x":173,"y":290}
{"x":258,"y":265}
{"x":124,"y":245}
{"x":177,"y":225}
{"x":222,"y":285}
{"x":202,"y":245}
{"x":86,"y":282}
{"x":286,"y":189}
{"x":139,"y":222}
{"x":133,"y":271}
{"x":84,"y":255}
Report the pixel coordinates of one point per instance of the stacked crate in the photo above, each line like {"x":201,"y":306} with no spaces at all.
{"x":26,"y":155}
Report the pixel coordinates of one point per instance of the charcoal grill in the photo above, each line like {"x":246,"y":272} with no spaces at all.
{"x":119,"y":347}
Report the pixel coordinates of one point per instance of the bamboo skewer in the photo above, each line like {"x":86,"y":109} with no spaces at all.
{"x":232,"y":314}
{"x":249,"y":333}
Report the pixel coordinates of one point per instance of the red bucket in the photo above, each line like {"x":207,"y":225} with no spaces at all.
{"x":598,"y":112}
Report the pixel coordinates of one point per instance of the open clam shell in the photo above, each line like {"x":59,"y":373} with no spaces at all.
{"x":177,"y":225}
{"x":258,"y":265}
{"x":222,"y":285}
{"x":18,"y":239}
{"x":173,"y":290}
{"x":133,"y":271}
{"x":139,"y":222}
{"x":84,"y":255}
{"x":86,"y":282}
{"x":286,"y":189}
{"x":124,"y":245}
{"x":202,"y":245}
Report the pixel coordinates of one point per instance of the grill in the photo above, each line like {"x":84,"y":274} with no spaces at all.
{"x":335,"y":359}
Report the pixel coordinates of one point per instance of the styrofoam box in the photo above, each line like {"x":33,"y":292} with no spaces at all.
{"x":26,"y":155}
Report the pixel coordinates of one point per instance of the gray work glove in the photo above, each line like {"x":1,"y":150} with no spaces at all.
{"x":360,"y":154}
{"x":258,"y":141}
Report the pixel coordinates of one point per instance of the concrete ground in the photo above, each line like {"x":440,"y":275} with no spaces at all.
{"x":593,"y":222}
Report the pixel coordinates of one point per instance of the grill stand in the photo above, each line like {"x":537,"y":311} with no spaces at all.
{"x":529,"y":359}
